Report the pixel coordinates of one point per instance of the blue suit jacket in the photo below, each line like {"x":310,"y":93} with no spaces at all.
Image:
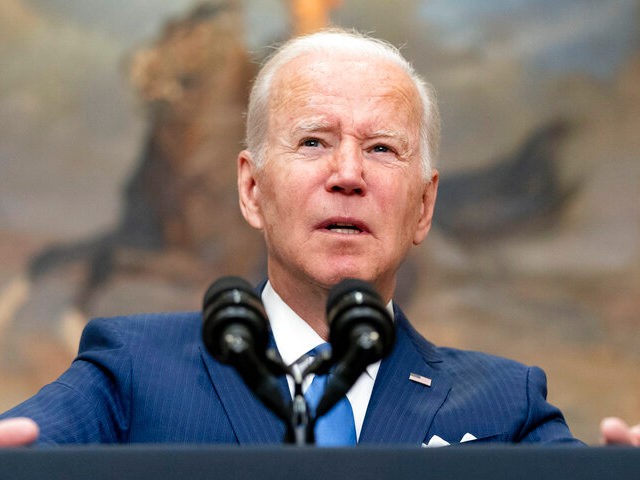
{"x":149,"y":378}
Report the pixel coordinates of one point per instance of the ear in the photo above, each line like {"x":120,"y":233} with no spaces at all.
{"x":248,"y":190}
{"x":429,"y":195}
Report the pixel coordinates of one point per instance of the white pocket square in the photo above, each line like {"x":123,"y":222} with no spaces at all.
{"x":437,"y":441}
{"x":467,"y":437}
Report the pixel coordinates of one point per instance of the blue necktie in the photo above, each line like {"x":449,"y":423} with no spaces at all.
{"x":336,"y":427}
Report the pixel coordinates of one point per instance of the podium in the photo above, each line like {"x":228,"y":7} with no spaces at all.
{"x":160,"y":462}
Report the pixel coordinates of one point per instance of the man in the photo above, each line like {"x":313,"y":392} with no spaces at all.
{"x":338,"y":175}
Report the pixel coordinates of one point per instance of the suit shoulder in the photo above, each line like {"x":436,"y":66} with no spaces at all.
{"x":144,"y":327}
{"x":453,"y":357}
{"x":490,"y":371}
{"x":467,"y":364}
{"x":479,"y":360}
{"x":143,"y":320}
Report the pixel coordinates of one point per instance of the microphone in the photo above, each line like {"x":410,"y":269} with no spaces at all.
{"x":235,"y":331}
{"x":361,"y":332}
{"x":234,"y":320}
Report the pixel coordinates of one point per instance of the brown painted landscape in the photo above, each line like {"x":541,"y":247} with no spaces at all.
{"x":117,"y":189}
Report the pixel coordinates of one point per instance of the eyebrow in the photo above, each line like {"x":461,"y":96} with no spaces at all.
{"x":311,"y":125}
{"x":386,"y":133}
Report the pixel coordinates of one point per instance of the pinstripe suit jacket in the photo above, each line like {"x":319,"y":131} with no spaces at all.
{"x":148,"y":378}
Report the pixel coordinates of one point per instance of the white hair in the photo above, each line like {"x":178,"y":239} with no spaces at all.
{"x":329,"y":42}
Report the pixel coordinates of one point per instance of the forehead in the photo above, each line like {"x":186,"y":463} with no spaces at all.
{"x":315,"y":81}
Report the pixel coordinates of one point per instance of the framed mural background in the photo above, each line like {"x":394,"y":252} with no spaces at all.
{"x":120,"y":120}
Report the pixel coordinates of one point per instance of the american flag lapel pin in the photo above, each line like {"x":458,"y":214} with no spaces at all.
{"x":414,"y":377}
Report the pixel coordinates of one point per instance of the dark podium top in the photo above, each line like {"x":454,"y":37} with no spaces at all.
{"x":209,"y":462}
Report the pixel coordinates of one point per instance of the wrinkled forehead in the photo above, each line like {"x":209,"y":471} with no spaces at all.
{"x":316,"y":76}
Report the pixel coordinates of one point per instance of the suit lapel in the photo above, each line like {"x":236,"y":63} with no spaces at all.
{"x":251,"y":421}
{"x":401,"y":410}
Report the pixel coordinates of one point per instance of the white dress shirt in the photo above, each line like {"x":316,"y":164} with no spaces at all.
{"x":294,"y":337}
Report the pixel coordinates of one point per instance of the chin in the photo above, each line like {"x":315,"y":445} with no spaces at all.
{"x":336,"y":276}
{"x":330,"y":270}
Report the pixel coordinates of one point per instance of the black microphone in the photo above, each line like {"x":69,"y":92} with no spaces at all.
{"x":234,"y":319}
{"x":235,"y":331}
{"x":361,"y":332}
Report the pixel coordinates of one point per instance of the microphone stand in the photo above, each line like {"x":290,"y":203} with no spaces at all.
{"x":300,"y":414}
{"x":300,"y":421}
{"x":300,"y":428}
{"x":261,"y":378}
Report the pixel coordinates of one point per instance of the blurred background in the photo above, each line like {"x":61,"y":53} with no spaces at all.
{"x":120,"y":121}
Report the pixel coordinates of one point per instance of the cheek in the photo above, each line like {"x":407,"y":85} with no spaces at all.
{"x":279,"y":205}
{"x":402,"y":210}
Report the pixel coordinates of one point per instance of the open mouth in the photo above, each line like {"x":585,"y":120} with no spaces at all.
{"x":344,"y":226}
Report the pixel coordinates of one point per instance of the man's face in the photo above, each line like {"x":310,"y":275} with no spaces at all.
{"x":341,"y":193}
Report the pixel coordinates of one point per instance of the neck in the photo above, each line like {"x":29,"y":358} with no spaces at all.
{"x":308,"y":301}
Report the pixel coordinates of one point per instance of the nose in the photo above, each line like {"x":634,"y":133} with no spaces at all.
{"x":347,"y":171}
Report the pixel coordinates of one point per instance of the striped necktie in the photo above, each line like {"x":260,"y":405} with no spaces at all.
{"x":336,"y":427}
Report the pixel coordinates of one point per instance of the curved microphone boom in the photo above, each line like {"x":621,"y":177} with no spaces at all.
{"x":361,"y":332}
{"x":235,"y":331}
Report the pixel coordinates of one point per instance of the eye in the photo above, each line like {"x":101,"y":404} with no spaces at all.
{"x":380,"y":149}
{"x":310,"y":142}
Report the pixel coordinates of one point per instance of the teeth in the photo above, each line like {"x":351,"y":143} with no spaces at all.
{"x":344,"y":228}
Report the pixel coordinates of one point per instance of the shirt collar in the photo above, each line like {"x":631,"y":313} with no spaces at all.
{"x":293,"y":336}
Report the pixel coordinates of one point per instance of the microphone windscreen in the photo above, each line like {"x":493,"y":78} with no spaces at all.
{"x":351,"y":305}
{"x":225,"y":284}
{"x":231,"y":304}
{"x":348,"y":286}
